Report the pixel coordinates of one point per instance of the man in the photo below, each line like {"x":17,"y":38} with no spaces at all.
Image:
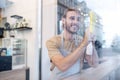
{"x":67,"y":50}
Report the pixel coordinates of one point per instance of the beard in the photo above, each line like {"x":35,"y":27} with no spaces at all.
{"x":71,"y":27}
{"x":71,"y":32}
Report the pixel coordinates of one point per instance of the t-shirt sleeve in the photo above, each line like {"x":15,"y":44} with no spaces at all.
{"x":53,"y":48}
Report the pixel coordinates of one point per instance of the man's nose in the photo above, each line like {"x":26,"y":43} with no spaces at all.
{"x":76,"y":21}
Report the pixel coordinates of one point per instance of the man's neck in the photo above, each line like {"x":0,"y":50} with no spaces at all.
{"x":68,"y":36}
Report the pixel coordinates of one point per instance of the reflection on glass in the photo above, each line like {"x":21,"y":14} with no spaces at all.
{"x":106,"y":22}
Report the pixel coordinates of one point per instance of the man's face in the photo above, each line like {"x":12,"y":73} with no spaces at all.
{"x":71,"y":22}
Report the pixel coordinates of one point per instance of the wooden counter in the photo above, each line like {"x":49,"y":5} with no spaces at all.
{"x":108,"y":70}
{"x":18,"y":74}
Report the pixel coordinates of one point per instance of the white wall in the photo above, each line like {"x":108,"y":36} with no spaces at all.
{"x":48,"y":30}
{"x":29,"y":10}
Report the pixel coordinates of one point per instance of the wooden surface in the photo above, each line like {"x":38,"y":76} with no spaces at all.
{"x":102,"y":72}
{"x":18,"y":74}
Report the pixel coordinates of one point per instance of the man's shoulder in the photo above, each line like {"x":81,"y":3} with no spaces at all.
{"x":55,"y":39}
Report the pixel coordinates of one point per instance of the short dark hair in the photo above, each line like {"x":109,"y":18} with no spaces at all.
{"x":69,"y":9}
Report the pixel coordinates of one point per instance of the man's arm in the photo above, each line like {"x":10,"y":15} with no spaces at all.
{"x":64,"y":63}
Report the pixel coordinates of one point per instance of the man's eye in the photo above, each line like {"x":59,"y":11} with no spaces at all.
{"x":72,"y":18}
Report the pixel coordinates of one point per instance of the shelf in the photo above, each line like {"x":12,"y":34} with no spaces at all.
{"x":16,"y":17}
{"x":23,"y":28}
{"x":16,"y":49}
{"x":20,"y":29}
{"x":18,"y":54}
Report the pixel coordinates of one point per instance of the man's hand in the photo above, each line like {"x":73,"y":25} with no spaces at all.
{"x":88,"y":37}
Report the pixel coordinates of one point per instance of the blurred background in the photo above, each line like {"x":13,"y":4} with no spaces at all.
{"x":106,"y":22}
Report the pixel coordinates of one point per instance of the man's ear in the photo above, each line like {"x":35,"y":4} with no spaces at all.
{"x":63,"y":20}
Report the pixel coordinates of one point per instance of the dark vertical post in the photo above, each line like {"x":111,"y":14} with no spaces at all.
{"x":27,"y":74}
